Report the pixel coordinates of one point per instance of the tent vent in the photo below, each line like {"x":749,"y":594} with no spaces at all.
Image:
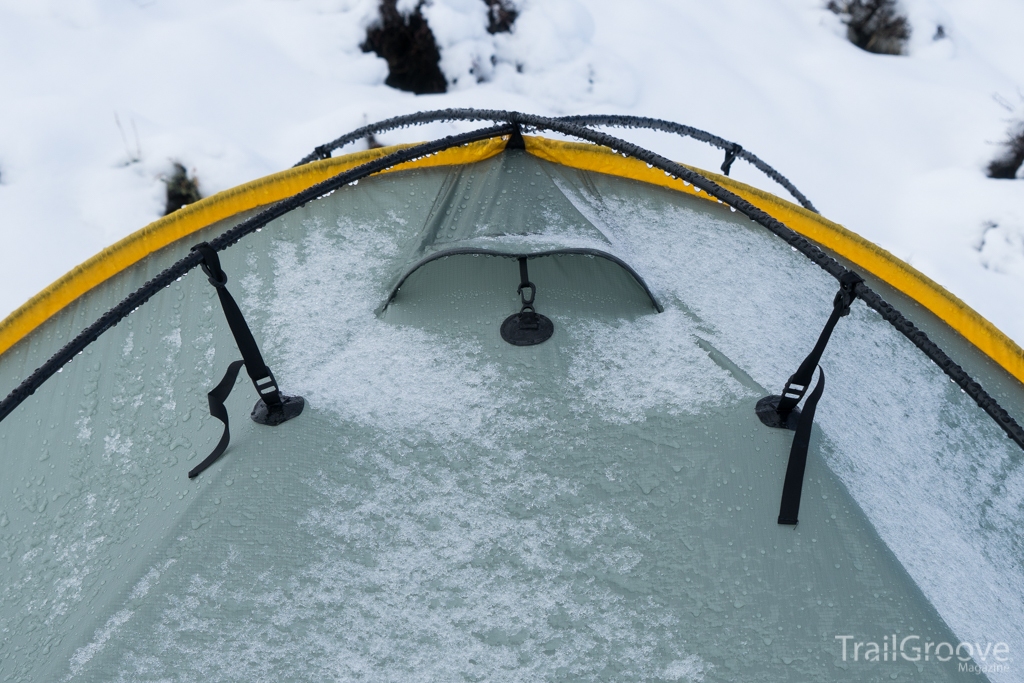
{"x":527,"y":327}
{"x":781,"y":411}
{"x":273,"y":407}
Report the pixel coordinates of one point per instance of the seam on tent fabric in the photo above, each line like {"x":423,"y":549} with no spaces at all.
{"x":204,"y":213}
{"x":854,"y":248}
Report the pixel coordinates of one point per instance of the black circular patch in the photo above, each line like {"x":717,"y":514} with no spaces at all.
{"x":527,"y":328}
{"x":767,"y":410}
{"x":291,"y":406}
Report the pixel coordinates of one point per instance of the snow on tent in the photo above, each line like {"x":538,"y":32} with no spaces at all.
{"x":535,"y":439}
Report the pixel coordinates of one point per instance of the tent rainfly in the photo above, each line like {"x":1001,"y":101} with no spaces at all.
{"x":526,"y":409}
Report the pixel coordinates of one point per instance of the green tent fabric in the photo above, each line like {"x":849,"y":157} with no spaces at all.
{"x":601,"y":506}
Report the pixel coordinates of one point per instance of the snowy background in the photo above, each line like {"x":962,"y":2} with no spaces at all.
{"x":97,"y":97}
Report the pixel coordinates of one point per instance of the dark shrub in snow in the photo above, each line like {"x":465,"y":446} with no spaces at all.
{"x":873,"y":25}
{"x":408,"y":45}
{"x":181,"y":189}
{"x":1009,"y":162}
{"x":501,"y":16}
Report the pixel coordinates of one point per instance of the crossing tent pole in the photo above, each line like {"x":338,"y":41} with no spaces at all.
{"x":732,"y":149}
{"x":512,"y":121}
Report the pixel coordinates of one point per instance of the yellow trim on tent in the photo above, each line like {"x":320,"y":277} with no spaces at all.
{"x":206,"y":212}
{"x":834,"y":237}
{"x":278,"y":186}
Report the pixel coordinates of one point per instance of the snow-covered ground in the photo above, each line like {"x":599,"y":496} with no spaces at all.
{"x":98,"y":96}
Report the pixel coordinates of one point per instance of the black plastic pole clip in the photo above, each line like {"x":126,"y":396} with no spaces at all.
{"x":273,"y":407}
{"x":781,"y":411}
{"x":730,"y":156}
{"x":322,"y":151}
{"x":527,"y":327}
{"x":533,"y":292}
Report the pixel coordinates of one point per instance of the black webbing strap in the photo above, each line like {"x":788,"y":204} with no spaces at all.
{"x":793,"y":486}
{"x":272,"y":408}
{"x":259,"y":373}
{"x":797,"y":384}
{"x":775,"y":411}
{"x":217,"y":397}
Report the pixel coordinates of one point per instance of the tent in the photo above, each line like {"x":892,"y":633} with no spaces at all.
{"x":518,"y":417}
